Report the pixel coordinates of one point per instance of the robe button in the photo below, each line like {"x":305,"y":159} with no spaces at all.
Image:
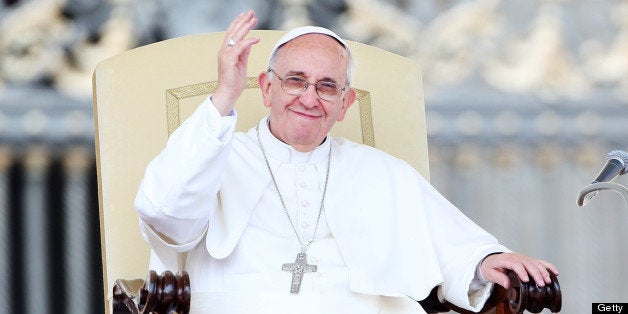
{"x":305,"y":203}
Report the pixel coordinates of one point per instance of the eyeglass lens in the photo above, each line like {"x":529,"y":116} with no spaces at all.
{"x":297,"y":85}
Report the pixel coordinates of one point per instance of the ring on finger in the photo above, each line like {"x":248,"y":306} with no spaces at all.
{"x":231,"y":42}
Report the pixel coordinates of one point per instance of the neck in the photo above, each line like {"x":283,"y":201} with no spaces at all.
{"x":303,"y":148}
{"x":306,"y":148}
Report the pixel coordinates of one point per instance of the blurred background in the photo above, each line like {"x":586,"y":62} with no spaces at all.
{"x":524,"y":99}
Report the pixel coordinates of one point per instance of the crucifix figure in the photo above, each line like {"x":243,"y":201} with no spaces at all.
{"x":297,"y":268}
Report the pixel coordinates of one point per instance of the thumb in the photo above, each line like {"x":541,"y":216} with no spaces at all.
{"x":496,"y":276}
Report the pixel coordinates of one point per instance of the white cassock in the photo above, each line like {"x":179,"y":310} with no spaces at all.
{"x":384,"y":239}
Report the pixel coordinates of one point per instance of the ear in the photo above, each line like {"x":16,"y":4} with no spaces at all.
{"x":264,"y":84}
{"x":347,"y":101}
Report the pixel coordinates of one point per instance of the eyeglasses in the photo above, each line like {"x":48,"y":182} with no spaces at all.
{"x":297,"y":85}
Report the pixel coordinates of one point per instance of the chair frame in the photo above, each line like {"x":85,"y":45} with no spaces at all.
{"x":158,"y":85}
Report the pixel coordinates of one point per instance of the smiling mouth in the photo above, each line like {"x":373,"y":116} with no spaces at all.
{"x":306,"y":115}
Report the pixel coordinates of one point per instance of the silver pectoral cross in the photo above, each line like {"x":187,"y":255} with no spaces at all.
{"x":297,"y":268}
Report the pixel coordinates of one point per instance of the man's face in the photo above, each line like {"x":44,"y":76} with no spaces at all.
{"x":303,"y":121}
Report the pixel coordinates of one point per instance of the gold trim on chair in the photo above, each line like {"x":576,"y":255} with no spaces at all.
{"x":173,"y":96}
{"x":366,"y":117}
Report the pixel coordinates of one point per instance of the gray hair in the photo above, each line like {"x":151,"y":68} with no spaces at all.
{"x":350,"y":63}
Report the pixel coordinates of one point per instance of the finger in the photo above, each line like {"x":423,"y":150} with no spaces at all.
{"x":239,"y":20}
{"x":233,"y":26}
{"x":240,"y":26}
{"x":498,"y":277}
{"x":520,"y":270}
{"x":232,"y":55}
{"x":546,"y":270}
{"x":236,"y":25}
{"x":247,"y":44}
{"x":538,"y":272}
{"x":550,"y":266}
{"x":246,"y":26}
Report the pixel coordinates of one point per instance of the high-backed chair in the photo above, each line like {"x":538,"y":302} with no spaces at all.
{"x":142,"y":95}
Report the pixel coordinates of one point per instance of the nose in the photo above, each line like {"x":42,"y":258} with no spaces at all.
{"x":310,"y":98}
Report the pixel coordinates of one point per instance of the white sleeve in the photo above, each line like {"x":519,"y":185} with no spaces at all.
{"x":180,"y":186}
{"x":460,"y":245}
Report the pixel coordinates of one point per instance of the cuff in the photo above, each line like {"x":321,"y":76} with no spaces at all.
{"x":217,"y":123}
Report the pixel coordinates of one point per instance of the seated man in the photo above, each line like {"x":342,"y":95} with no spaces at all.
{"x":287,"y":219}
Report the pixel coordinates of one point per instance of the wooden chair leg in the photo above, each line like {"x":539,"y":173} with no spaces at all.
{"x":502,"y":308}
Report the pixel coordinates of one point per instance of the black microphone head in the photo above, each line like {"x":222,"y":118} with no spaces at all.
{"x":620,"y":156}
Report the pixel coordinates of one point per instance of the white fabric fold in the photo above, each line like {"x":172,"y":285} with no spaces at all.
{"x":397,"y":236}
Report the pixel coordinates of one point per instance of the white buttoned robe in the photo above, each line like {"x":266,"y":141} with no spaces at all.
{"x":384,"y":232}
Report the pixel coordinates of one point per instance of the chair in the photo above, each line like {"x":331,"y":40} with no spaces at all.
{"x":142,"y":95}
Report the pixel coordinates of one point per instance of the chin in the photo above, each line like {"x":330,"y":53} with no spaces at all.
{"x":302,"y":138}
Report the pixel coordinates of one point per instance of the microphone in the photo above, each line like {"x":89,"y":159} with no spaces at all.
{"x":616,"y":164}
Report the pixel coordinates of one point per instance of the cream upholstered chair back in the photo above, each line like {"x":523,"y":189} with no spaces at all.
{"x":142,"y":95}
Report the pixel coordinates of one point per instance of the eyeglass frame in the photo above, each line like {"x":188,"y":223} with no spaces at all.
{"x":307,"y":85}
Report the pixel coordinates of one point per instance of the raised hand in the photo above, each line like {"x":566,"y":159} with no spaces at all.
{"x":494,"y":267}
{"x":233,"y":58}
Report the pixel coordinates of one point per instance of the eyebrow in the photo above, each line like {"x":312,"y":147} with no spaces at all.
{"x":301,"y":73}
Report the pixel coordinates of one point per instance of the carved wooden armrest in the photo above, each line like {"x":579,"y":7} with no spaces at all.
{"x":165,"y":294}
{"x":528,"y":296}
{"x":521,"y":296}
{"x":170,"y":294}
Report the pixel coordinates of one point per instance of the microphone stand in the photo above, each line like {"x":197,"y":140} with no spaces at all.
{"x":591,"y":190}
